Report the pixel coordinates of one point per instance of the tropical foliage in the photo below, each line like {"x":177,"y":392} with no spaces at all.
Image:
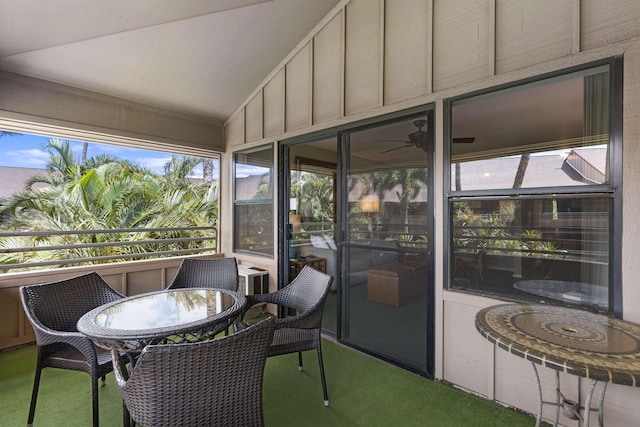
{"x":405,"y":184}
{"x":317,"y":202}
{"x":493,"y":232}
{"x":105,"y":193}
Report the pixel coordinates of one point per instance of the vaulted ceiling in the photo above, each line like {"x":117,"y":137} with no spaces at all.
{"x":202,"y":57}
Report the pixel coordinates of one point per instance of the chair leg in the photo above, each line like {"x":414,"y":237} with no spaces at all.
{"x":126,"y":417}
{"x":300,"y":368}
{"x":94,"y":394}
{"x":322,"y":377}
{"x":34,"y":392}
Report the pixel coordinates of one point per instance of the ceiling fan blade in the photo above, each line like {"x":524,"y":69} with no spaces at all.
{"x":394,"y":140}
{"x":463,"y":140}
{"x":394,"y":149}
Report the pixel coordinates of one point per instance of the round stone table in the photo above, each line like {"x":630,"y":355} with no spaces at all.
{"x":568,"y":340}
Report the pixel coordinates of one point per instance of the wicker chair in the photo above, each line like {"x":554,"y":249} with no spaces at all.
{"x":207,"y":273}
{"x":209,"y":383}
{"x":306,"y":294}
{"x":53,"y":310}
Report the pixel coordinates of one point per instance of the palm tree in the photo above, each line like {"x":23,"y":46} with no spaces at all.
{"x":317,"y":203}
{"x":110,"y":194}
{"x":406,"y":183}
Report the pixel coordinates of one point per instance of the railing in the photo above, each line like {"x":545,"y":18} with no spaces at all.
{"x":137,"y":247}
{"x":586,"y":244}
{"x":408,"y":235}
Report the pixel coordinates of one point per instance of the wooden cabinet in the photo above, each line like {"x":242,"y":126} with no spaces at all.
{"x":315,"y":262}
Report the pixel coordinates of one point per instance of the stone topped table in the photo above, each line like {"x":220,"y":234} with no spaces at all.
{"x":568,"y":340}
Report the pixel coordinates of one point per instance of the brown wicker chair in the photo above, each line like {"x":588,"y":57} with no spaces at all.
{"x":210,"y":383}
{"x":207,"y":273}
{"x":306,"y":294}
{"x":53,"y":310}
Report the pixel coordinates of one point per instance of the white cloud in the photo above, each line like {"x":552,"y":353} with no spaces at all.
{"x":29,"y":158}
{"x":155,"y":164}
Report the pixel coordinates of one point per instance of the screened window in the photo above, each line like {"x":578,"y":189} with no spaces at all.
{"x":253,"y":201}
{"x":531,"y":194}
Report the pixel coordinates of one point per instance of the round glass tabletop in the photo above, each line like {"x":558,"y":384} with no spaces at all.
{"x":167,"y":316}
{"x":164,"y":309}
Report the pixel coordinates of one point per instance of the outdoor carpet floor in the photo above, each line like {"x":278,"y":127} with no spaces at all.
{"x":363,"y":391}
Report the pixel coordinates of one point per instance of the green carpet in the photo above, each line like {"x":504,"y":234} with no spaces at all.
{"x":363,"y":392}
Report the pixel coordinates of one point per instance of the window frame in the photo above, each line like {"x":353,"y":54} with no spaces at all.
{"x":613,"y":188}
{"x":238,"y":203}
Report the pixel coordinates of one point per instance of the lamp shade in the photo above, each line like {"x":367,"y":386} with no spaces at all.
{"x":370,"y":203}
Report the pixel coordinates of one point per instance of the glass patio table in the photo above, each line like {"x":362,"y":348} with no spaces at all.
{"x":577,"y":342}
{"x":174,"y":315}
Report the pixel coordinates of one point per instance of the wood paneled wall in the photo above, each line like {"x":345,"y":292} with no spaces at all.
{"x":373,"y":54}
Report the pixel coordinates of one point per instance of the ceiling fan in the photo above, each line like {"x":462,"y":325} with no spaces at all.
{"x":419,"y":138}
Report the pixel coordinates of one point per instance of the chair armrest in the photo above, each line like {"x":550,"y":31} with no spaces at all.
{"x":120,"y":370}
{"x":311,"y":319}
{"x":47,"y":336}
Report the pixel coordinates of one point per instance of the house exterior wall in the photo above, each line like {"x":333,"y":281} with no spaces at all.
{"x":372,"y":57}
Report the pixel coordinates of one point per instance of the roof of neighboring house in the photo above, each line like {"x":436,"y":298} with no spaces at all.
{"x":548,"y":170}
{"x":13,"y":180}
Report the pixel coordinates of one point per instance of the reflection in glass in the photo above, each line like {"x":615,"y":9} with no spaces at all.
{"x":551,"y":133}
{"x":552,"y":136}
{"x":386,"y":268}
{"x":253,"y":201}
{"x":164,"y":309}
{"x":552,"y":247}
{"x":389,"y":205}
{"x":253,"y":226}
{"x":312,"y":239}
{"x":253,"y":174}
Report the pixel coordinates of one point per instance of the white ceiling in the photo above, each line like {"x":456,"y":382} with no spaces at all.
{"x":198,"y":56}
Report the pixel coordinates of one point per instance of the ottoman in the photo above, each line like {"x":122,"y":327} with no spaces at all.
{"x":396,"y":284}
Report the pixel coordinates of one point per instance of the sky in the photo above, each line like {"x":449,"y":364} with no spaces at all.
{"x":28,"y":151}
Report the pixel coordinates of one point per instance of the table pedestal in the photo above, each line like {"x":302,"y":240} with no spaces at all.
{"x":570,"y":408}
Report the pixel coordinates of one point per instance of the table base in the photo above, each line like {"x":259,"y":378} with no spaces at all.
{"x":570,"y":408}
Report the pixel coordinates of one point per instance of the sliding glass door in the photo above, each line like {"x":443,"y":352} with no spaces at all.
{"x":358,"y":207}
{"x":387,"y":281}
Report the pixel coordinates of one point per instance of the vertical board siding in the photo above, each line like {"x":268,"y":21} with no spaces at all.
{"x":406,"y":51}
{"x":529,"y":32}
{"x":327,"y":71}
{"x":253,"y":117}
{"x":462,"y":365}
{"x":297,"y":90}
{"x":274,"y":105}
{"x":602,"y":24}
{"x":362,"y":58}
{"x":234,"y":130}
{"x":461,"y":51}
{"x":10,"y":325}
{"x":631,"y":193}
